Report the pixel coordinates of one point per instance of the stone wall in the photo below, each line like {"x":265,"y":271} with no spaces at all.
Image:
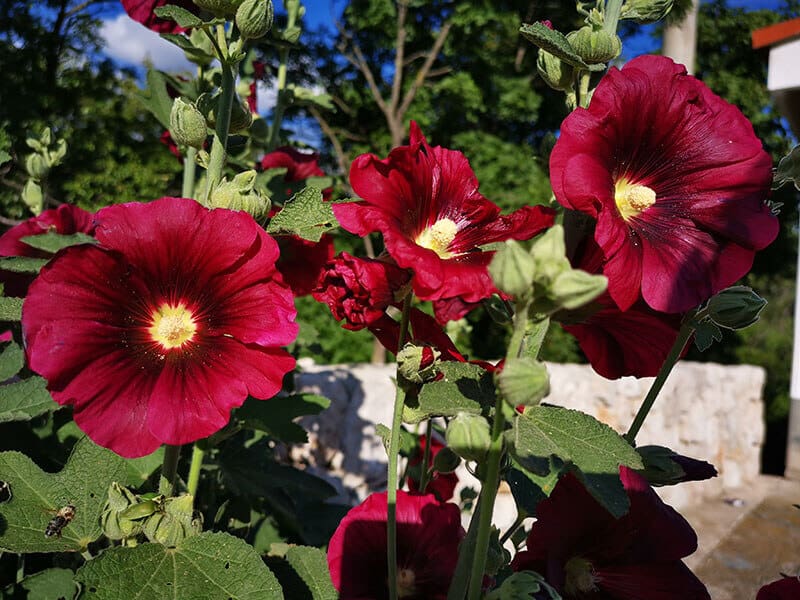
{"x":706,"y":411}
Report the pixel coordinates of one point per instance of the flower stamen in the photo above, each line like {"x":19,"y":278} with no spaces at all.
{"x":438,"y":237}
{"x":406,"y":583}
{"x":172,"y":326}
{"x":632,"y":198}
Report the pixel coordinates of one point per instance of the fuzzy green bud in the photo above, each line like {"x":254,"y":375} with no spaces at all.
{"x":595,"y":46}
{"x":736,"y":307}
{"x":645,"y":12}
{"x":33,"y":196}
{"x":241,"y":194}
{"x":512,"y":269}
{"x":241,"y":116}
{"x":575,"y":288}
{"x":254,"y":18}
{"x":36,"y":166}
{"x":187,"y":125}
{"x":219,"y":8}
{"x":174,"y":523}
{"x":549,"y":255}
{"x":524,"y":381}
{"x":446,"y":461}
{"x":555,"y":72}
{"x":469,"y":436}
{"x":417,"y":363}
{"x":114,"y":520}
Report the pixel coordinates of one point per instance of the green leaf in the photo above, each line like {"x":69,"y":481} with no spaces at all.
{"x":11,"y":361}
{"x":788,"y":170}
{"x":304,"y":215}
{"x":181,"y":16}
{"x":37,"y":496}
{"x":22,"y":264}
{"x":4,"y":157}
{"x":464,"y":388}
{"x":140,"y":469}
{"x":591,"y":446}
{"x":312,"y":566}
{"x":528,"y":488}
{"x":10,"y":309}
{"x":50,"y":584}
{"x":52,"y":242}
{"x":212,"y":566}
{"x":155,"y":97}
{"x":24,"y":400}
{"x":705,"y":334}
{"x":554,"y":42}
{"x":276,"y":416}
{"x":525,"y":585}
{"x":187,"y":46}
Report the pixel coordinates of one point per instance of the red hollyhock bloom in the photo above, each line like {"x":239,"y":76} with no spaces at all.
{"x":66,"y":219}
{"x":158,"y":332}
{"x":441,"y":485}
{"x":142,"y":12}
{"x":301,"y":261}
{"x":585,"y":553}
{"x":786,"y":588}
{"x":359,"y":290}
{"x":678,"y":192}
{"x":425,"y":202}
{"x":299,"y":165}
{"x":428,"y":534}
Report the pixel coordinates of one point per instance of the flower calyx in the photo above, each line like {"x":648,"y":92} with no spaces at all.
{"x":645,"y":12}
{"x":417,"y":364}
{"x":736,"y":307}
{"x":595,"y":46}
{"x":254,"y":18}
{"x":241,"y":194}
{"x":187,"y":125}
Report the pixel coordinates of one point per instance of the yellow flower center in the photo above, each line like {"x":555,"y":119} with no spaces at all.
{"x":580,"y":577}
{"x":406,"y":583}
{"x":438,"y":236}
{"x":172,"y":326}
{"x":632,"y":198}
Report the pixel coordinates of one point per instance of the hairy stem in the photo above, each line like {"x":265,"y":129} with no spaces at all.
{"x":611,"y":15}
{"x":426,"y":457}
{"x":169,"y":470}
{"x":219,"y":153}
{"x":194,"y":470}
{"x":189,"y":164}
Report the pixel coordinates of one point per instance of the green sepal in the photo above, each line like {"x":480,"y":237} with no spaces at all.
{"x":179,"y":15}
{"x":554,"y":42}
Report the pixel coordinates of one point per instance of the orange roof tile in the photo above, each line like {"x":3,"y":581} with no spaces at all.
{"x":769,"y":36}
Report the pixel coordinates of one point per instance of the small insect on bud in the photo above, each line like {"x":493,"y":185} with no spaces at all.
{"x":254,"y":18}
{"x":187,"y":125}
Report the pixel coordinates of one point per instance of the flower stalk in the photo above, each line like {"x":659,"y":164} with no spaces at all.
{"x":189,"y":164}
{"x":194,"y":470}
{"x":169,"y":470}
{"x":426,"y":472}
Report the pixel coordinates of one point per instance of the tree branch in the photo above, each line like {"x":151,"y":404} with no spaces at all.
{"x":341,"y":157}
{"x":360,"y":63}
{"x":399,"y":55}
{"x":419,"y":80}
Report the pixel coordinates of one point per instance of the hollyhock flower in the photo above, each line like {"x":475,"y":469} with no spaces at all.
{"x":678,"y":192}
{"x":301,"y":262}
{"x":155,"y":334}
{"x":299,"y":165}
{"x":425,"y":202}
{"x":441,"y":485}
{"x":786,"y":588}
{"x":66,"y":220}
{"x":584,"y":552}
{"x":142,"y":12}
{"x":428,"y":534}
{"x":359,"y":290}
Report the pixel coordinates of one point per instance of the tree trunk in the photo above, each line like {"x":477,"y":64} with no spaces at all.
{"x":680,"y":39}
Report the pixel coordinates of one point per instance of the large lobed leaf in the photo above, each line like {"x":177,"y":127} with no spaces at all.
{"x":305,"y":215}
{"x":464,"y":387}
{"x":577,"y":438}
{"x":209,"y":566}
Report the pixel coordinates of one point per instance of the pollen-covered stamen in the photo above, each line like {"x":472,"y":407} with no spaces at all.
{"x":579,"y":577}
{"x":632,"y":198}
{"x":406,"y":583}
{"x":438,"y":237}
{"x":172,"y":326}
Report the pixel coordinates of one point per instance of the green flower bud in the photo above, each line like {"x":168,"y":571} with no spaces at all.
{"x":446,"y":461}
{"x":469,"y":436}
{"x":254,"y":18}
{"x":417,"y":363}
{"x":524,"y":381}
{"x":116,"y":525}
{"x":556,"y":73}
{"x":175,"y":523}
{"x":36,"y":166}
{"x":33,"y":197}
{"x":512,"y":269}
{"x":575,"y":288}
{"x":736,"y":307}
{"x":549,"y":256}
{"x":187,"y":125}
{"x":595,"y":46}
{"x":241,"y":116}
{"x":219,"y":8}
{"x":207,"y":105}
{"x":646,"y":11}
{"x":241,"y":194}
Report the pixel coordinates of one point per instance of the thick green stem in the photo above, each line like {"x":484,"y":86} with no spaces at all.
{"x":169,"y":470}
{"x":189,"y":164}
{"x":672,"y":358}
{"x":394,"y":448}
{"x":514,"y":526}
{"x":219,"y":153}
{"x":280,"y":106}
{"x":583,"y":95}
{"x":426,"y":457}
{"x":611,"y":15}
{"x":194,"y":470}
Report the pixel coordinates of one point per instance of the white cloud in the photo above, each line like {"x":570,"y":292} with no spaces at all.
{"x":132,"y":43}
{"x":266,"y":96}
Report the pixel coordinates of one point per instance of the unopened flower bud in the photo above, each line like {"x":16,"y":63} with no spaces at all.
{"x":555,"y":72}
{"x":36,"y":166}
{"x":254,"y":18}
{"x":446,"y":461}
{"x":241,"y":194}
{"x":469,"y":436}
{"x":595,"y":46}
{"x":512,"y":269}
{"x":219,"y":8}
{"x":524,"y":381}
{"x":575,"y":288}
{"x":736,"y":307}
{"x":646,"y":11}
{"x":417,"y":363}
{"x":241,"y":116}
{"x":187,"y":125}
{"x":175,"y":523}
{"x":33,"y":197}
{"x":114,"y":520}
{"x":207,"y":105}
